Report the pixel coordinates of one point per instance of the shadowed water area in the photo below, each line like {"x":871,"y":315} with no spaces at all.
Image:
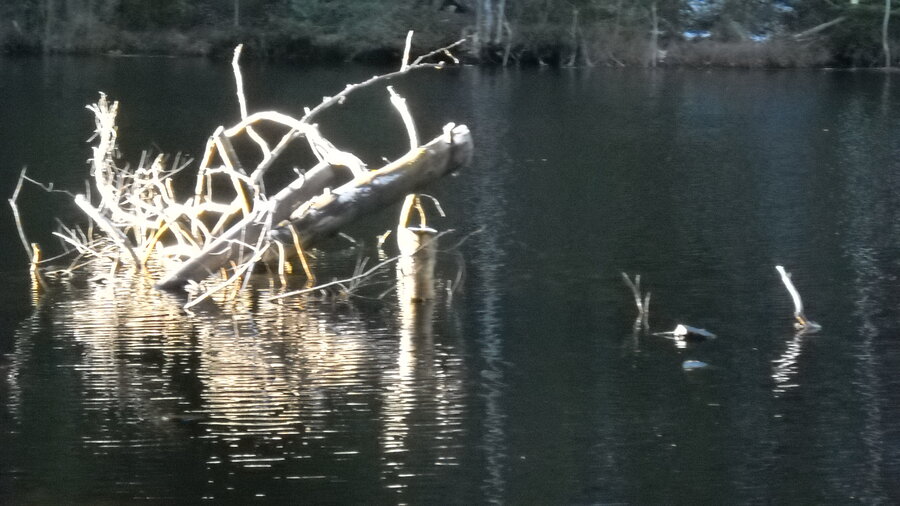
{"x":523,"y":382}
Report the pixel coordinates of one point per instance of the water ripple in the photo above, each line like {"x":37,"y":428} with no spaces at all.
{"x":271,"y":390}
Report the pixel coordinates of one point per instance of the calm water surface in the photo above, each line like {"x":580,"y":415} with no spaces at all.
{"x":523,"y":383}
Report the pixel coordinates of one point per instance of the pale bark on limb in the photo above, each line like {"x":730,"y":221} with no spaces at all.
{"x":641,"y":301}
{"x":114,"y":233}
{"x":15,"y":210}
{"x":328,"y":213}
{"x":232,"y":243}
{"x":418,"y":250}
{"x":142,"y":218}
{"x":801,"y":323}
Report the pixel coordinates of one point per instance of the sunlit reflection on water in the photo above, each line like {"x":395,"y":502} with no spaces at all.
{"x":295,"y":387}
{"x":785,"y":366}
{"x":517,"y":391}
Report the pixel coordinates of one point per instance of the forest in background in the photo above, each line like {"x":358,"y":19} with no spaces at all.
{"x":731,"y":33}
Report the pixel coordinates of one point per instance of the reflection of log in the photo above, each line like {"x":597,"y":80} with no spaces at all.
{"x":374,"y":190}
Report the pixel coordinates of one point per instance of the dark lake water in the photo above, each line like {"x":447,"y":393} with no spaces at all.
{"x":523,"y":383}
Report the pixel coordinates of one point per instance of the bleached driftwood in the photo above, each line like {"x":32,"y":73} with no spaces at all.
{"x":15,"y":210}
{"x":248,"y":240}
{"x":641,"y":301}
{"x":801,"y":323}
{"x":230,"y":222}
{"x":418,"y":250}
{"x":328,"y":213}
{"x":325,"y":213}
{"x":686,"y":332}
{"x":239,"y":242}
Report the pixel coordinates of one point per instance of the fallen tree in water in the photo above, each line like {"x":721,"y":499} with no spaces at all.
{"x":231,"y":223}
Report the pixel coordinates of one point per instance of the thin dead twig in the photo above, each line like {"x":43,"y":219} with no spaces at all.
{"x":15,"y":210}
{"x":416,"y":64}
{"x":342,"y":282}
{"x":641,"y":301}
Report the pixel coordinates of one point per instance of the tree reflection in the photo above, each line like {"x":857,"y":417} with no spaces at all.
{"x":867,"y":228}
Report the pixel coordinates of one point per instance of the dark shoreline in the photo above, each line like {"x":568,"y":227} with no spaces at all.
{"x":220,"y":46}
{"x":368,"y":35}
{"x":791,"y":34}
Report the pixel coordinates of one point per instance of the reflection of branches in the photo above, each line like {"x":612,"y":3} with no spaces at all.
{"x":261,"y":388}
{"x":785,"y":367}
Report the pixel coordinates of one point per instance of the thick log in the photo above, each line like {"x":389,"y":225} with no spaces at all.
{"x":327,"y":214}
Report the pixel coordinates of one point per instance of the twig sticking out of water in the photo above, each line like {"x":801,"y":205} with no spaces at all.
{"x":15,"y":210}
{"x":357,"y":275}
{"x":801,"y":323}
{"x":642,"y":302}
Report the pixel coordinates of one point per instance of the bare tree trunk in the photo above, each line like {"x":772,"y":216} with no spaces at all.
{"x":498,"y":25}
{"x":884,"y":33}
{"x":49,"y":22}
{"x":92,"y":12}
{"x":484,"y":23}
{"x":545,"y":12}
{"x":618,"y":22}
{"x":654,"y":35}
{"x":574,"y":56}
{"x":237,"y":13}
{"x":509,"y":39}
